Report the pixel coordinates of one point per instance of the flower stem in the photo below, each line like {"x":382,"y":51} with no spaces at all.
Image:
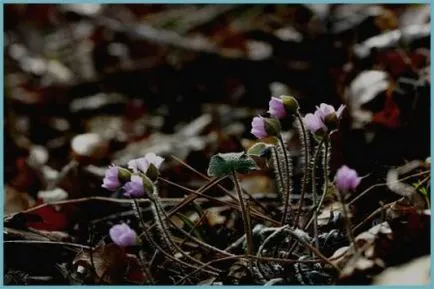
{"x":246,"y":219}
{"x":160,"y":219}
{"x":348,"y":224}
{"x":278,"y":171}
{"x":153,"y":243}
{"x":326,"y":177}
{"x":306,"y":169}
{"x":315,"y":213}
{"x":288,"y":187}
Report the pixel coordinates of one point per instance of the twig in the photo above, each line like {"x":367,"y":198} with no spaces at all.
{"x":314,"y":250}
{"x":269,"y":259}
{"x":196,"y":225}
{"x":199,"y":242}
{"x":231,"y":205}
{"x":370,"y":216}
{"x":49,"y":242}
{"x":359,"y":196}
{"x":226,"y":191}
{"x":209,"y":263}
{"x":87,"y":199}
{"x":160,"y":216}
{"x":158,"y":247}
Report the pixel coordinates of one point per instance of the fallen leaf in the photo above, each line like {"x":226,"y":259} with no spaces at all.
{"x":16,"y":201}
{"x":111,"y":264}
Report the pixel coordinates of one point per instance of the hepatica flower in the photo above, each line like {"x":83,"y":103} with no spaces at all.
{"x":122,"y":235}
{"x":111,"y":179}
{"x":143,"y":164}
{"x":313,"y":122}
{"x":277,"y":108}
{"x":328,"y":115}
{"x":263,"y":127}
{"x":326,"y":110}
{"x":346,"y":179}
{"x":134,"y":188}
{"x":258,"y":127}
{"x":325,"y":118}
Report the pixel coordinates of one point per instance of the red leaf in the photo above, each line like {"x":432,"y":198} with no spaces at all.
{"x":54,"y":219}
{"x":389,"y":116}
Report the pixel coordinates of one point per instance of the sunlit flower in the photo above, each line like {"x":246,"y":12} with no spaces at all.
{"x":142,"y":164}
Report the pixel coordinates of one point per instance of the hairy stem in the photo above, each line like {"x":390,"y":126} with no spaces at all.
{"x":278,"y":171}
{"x":246,"y":218}
{"x":326,"y":176}
{"x":348,"y":224}
{"x":305,"y":141}
{"x":151,"y":241}
{"x":288,"y":179}
{"x":315,"y":220}
{"x":160,"y":216}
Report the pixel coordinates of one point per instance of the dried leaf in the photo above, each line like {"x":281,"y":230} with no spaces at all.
{"x":16,"y":201}
{"x":111,"y":264}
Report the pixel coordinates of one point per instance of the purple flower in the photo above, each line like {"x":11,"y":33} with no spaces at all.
{"x":122,"y":235}
{"x":346,"y":179}
{"x":111,"y":179}
{"x":142,"y":164}
{"x":326,"y":110}
{"x":134,"y":188}
{"x":258,"y":127}
{"x":277,"y":108}
{"x":313,"y":122}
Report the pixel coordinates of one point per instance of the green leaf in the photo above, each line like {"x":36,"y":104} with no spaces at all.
{"x":259,"y":149}
{"x":424,"y":191}
{"x":224,"y":164}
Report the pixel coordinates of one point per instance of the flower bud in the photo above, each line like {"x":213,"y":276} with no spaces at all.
{"x":272,"y":126}
{"x":290,"y":103}
{"x":331,"y":121}
{"x":124,"y":175}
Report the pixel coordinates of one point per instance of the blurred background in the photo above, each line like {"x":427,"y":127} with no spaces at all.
{"x":87,"y":85}
{"x":127,"y":71}
{"x":187,"y":79}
